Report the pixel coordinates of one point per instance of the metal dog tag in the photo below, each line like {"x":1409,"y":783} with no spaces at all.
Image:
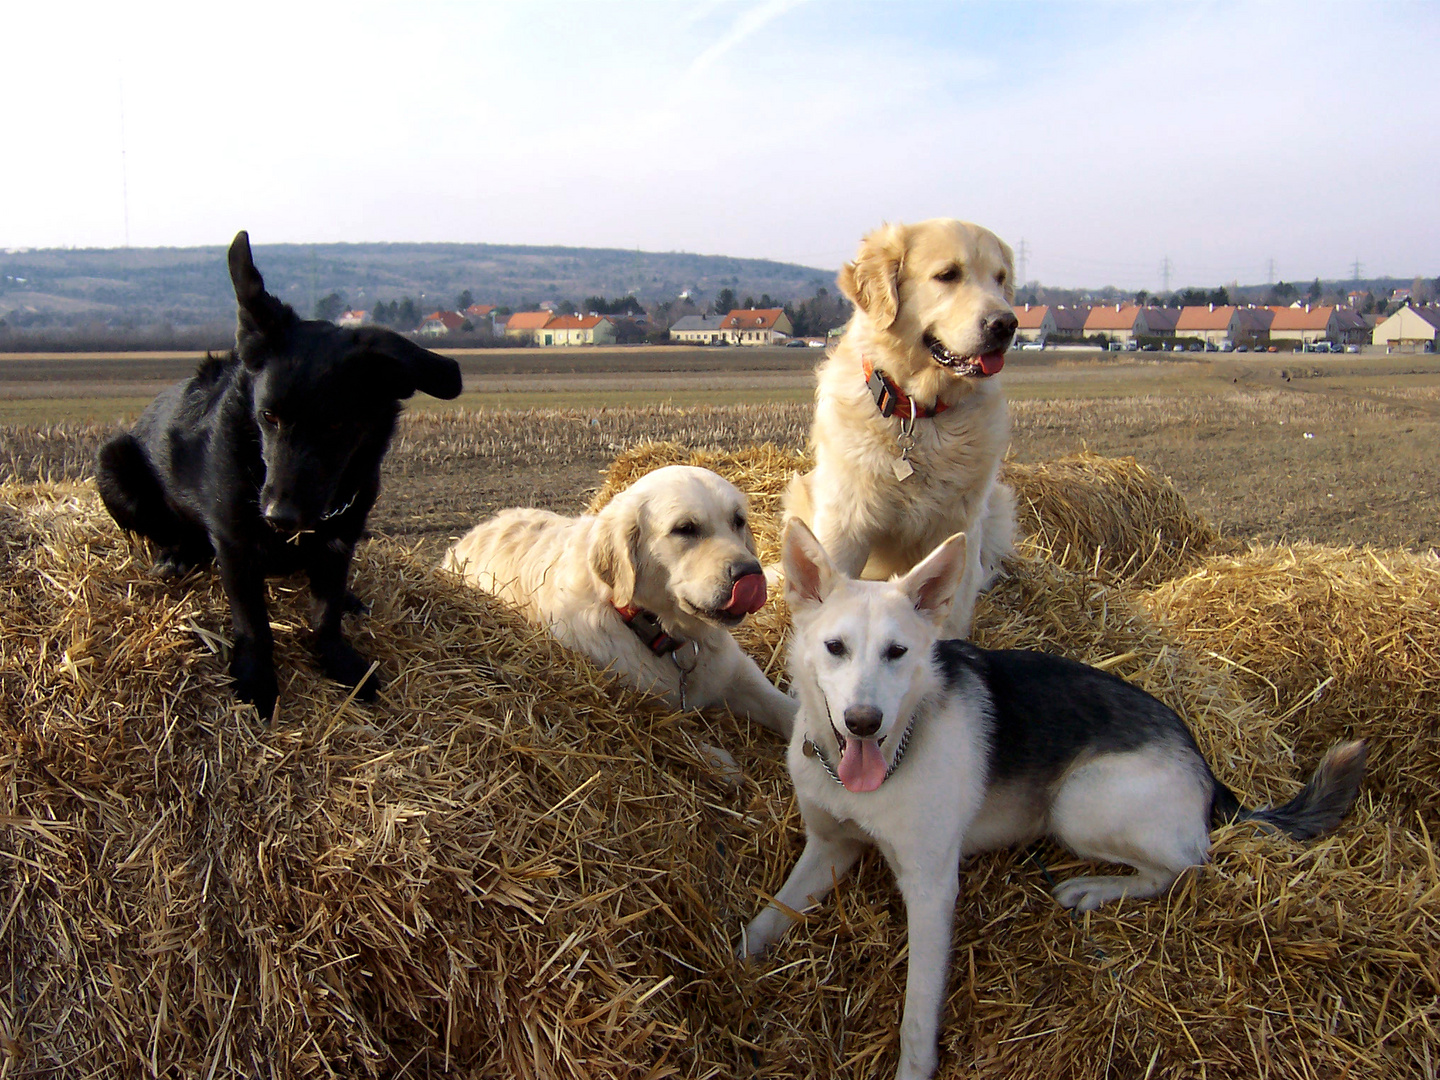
{"x":902,"y":467}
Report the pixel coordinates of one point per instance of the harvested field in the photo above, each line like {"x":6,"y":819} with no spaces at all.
{"x":510,"y":868}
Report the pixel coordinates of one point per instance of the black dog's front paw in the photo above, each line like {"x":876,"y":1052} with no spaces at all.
{"x":254,"y":677}
{"x":343,"y":664}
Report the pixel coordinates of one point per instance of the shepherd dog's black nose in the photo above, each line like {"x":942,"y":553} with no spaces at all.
{"x":863,"y":720}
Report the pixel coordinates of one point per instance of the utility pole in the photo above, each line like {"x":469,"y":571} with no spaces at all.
{"x":1024,"y":255}
{"x":1165,"y":274}
{"x":1270,"y":274}
{"x":1356,"y":271}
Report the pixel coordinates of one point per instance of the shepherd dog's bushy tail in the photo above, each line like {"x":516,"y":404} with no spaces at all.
{"x":1319,"y":806}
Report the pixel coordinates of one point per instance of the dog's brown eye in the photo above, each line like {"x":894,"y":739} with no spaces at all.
{"x":1000,"y":278}
{"x":835,"y":647}
{"x":740,"y":521}
{"x":270,"y":418}
{"x":949,"y":274}
{"x":685,"y":528}
{"x":894,"y":652}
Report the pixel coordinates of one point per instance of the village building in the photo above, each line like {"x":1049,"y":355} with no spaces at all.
{"x":353,"y":318}
{"x":1411,"y":329}
{"x":439,"y":323}
{"x":1160,"y":321}
{"x":577,"y":330}
{"x":1254,"y":328}
{"x":1070,"y":321}
{"x":1304,"y":325}
{"x":1213,"y":325}
{"x":696,"y":329}
{"x":1034,"y":323}
{"x":1119,"y":323}
{"x":756,"y":326}
{"x":523,"y":325}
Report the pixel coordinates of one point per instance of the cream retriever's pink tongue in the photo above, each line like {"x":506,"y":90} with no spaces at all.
{"x":747,"y":595}
{"x":990,"y":363}
{"x":862,"y":767}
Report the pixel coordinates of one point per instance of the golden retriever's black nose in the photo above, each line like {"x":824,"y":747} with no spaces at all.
{"x":999,"y":328}
{"x":863,"y":720}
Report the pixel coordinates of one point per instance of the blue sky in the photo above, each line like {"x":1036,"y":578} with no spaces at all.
{"x":1108,"y":136}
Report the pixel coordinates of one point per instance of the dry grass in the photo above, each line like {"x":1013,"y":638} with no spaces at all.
{"x":1341,"y":642}
{"x":511,"y":868}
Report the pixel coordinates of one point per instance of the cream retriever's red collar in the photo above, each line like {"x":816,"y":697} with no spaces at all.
{"x":648,"y":629}
{"x":889,"y":398}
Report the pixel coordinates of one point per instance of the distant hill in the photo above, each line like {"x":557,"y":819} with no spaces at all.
{"x":191,"y":285}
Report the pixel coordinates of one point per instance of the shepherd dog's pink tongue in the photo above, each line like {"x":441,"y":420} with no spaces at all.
{"x":748,"y":594}
{"x":990,"y":363}
{"x":862,"y":767}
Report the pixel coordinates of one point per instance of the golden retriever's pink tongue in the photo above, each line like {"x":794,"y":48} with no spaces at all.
{"x":990,"y":363}
{"x":862,"y":767}
{"x":748,"y":594}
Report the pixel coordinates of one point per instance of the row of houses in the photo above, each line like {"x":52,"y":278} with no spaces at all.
{"x":1213,"y":324}
{"x":742,"y":326}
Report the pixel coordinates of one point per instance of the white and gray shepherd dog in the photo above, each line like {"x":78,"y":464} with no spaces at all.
{"x":934,"y":750}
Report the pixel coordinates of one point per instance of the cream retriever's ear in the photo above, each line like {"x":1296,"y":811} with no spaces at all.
{"x":809,"y":574}
{"x":872,"y":281}
{"x":616,"y":550}
{"x":1009,"y":256}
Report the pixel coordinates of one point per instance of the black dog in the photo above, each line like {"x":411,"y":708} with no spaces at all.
{"x":268,"y":460}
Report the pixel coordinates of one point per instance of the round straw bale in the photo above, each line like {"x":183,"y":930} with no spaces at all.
{"x":1108,"y":515}
{"x":508,"y":867}
{"x":1339,"y":643}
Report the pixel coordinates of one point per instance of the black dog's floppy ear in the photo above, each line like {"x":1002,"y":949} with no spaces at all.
{"x":411,"y":368}
{"x":258,"y":312}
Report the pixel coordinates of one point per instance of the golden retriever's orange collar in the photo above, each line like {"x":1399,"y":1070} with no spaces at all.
{"x":648,"y":629}
{"x":889,"y":398}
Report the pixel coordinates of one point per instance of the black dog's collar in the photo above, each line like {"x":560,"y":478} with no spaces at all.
{"x":648,"y":629}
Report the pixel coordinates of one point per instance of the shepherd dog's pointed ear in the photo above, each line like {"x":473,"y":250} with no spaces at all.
{"x":931,"y":585}
{"x":872,"y":281}
{"x":809,"y":574}
{"x":257,"y":312}
{"x":409,"y":367}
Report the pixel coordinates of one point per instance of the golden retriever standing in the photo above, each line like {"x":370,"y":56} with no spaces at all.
{"x":646,"y":588}
{"x":910,"y":424}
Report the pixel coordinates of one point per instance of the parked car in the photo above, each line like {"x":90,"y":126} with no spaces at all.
{"x":1030,"y":345}
{"x":1150,"y":347}
{"x":1195,"y":346}
{"x":1352,"y":348}
{"x":1242,"y":348}
{"x":795,"y":343}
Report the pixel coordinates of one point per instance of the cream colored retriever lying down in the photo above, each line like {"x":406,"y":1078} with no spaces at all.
{"x":646,"y":588}
{"x":910,"y":422}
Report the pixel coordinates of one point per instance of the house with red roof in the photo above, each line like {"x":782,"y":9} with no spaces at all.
{"x":756,"y":326}
{"x":1305,"y":325}
{"x":577,"y":330}
{"x":353,"y":318}
{"x":524,"y":325}
{"x":439,"y":323}
{"x":1214,"y":325}
{"x":1122,"y":323}
{"x":1035,"y":323}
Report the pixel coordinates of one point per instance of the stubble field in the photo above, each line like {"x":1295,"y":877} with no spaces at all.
{"x":1334,"y":450}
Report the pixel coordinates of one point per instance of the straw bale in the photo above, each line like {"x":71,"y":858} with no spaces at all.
{"x":1109,"y":516}
{"x":511,"y":868}
{"x":1342,"y":643}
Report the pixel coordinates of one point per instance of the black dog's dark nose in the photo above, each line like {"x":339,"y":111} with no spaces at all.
{"x":999,"y":327}
{"x":863,"y":720}
{"x":282,"y":516}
